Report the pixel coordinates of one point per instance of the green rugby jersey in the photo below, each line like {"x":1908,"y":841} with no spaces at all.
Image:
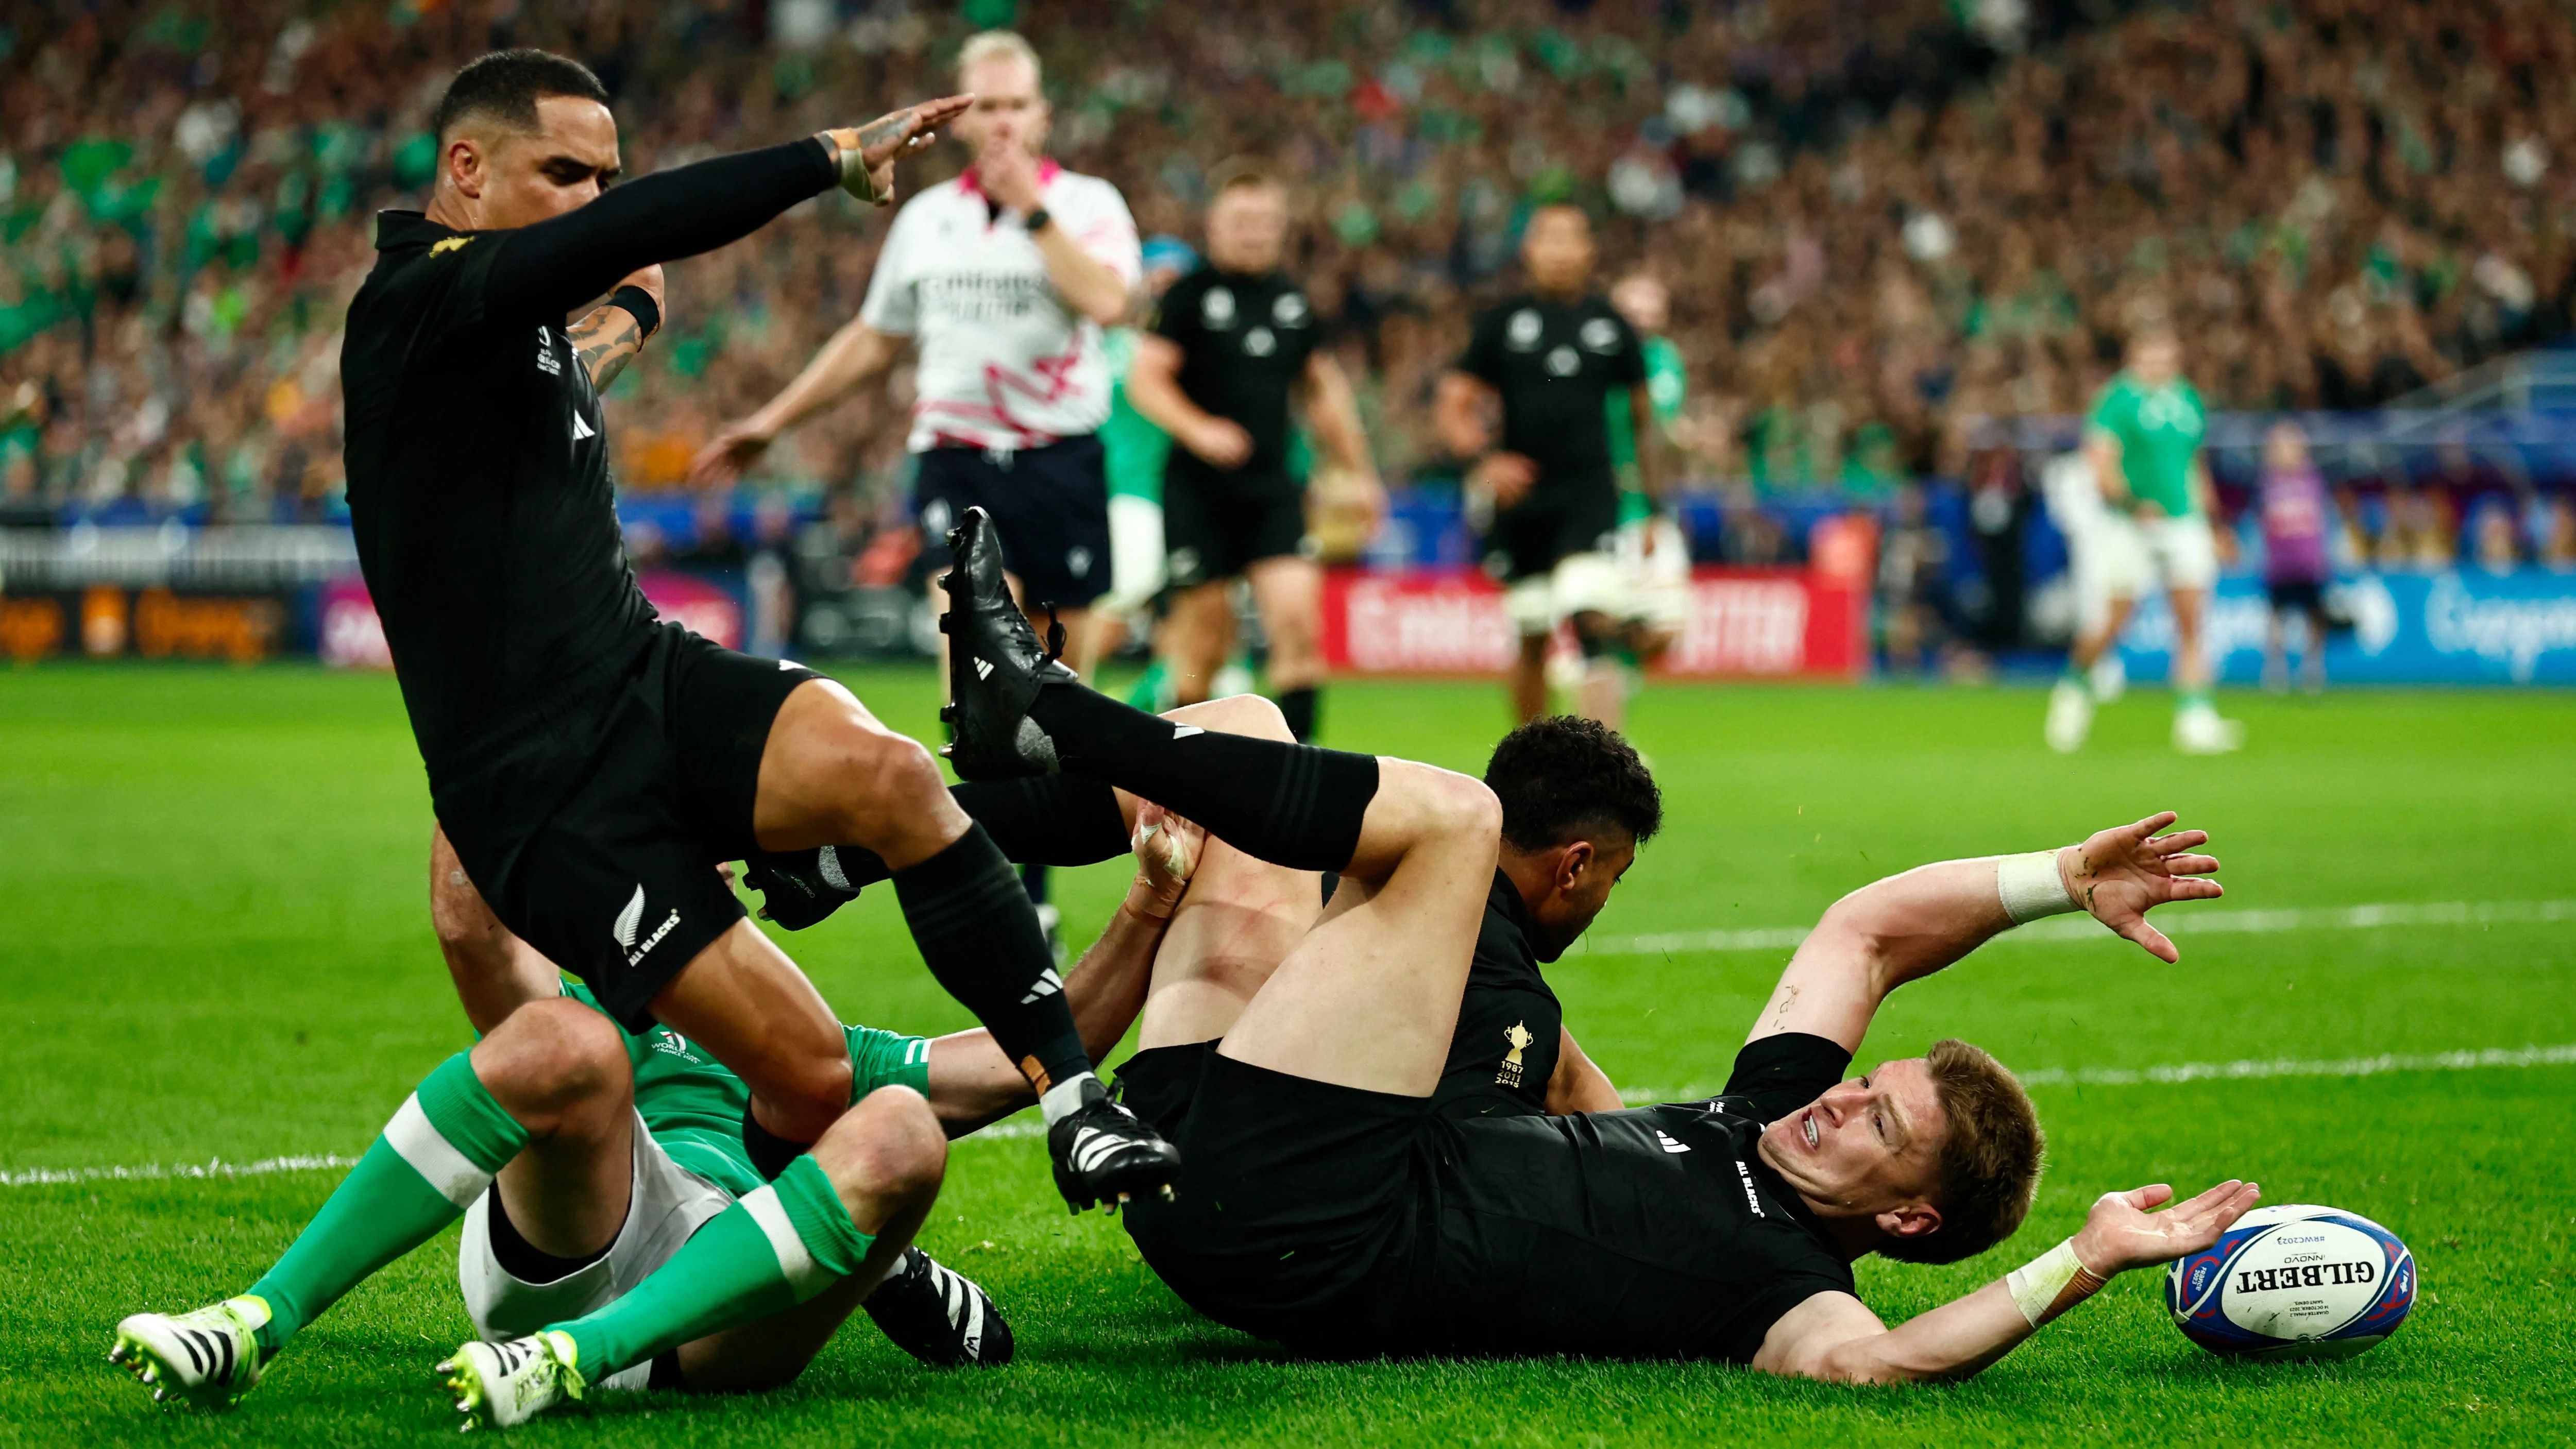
{"x":2159,"y":431}
{"x":1667,"y":384}
{"x":1133,"y":447}
{"x":693,"y":1104}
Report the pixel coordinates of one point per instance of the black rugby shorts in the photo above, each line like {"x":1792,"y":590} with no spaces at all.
{"x":1050,"y":507}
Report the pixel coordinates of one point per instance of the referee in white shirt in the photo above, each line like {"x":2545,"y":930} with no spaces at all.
{"x":1003,"y":278}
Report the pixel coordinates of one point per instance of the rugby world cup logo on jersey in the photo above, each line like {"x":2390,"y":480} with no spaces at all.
{"x":1601,"y":335}
{"x":631,"y":920}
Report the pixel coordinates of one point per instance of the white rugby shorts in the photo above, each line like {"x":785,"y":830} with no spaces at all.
{"x":1580,"y":583}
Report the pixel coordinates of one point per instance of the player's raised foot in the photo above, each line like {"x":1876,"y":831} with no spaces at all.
{"x":799,"y":888}
{"x":995,"y":664}
{"x":2070,"y":716}
{"x":501,"y":1384}
{"x":939,"y":1315}
{"x":206,"y":1357}
{"x":2200,"y":731}
{"x":1106,"y":1154}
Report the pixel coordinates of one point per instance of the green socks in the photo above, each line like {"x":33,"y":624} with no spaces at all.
{"x":435,"y":1157}
{"x":769,"y":1252}
{"x":2192,"y":699}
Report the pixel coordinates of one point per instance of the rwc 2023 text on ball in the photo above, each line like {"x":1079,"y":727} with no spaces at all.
{"x":2296,"y":1281}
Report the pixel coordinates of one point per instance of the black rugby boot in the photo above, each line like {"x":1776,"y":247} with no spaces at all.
{"x":799,"y":888}
{"x":1106,"y":1154}
{"x":939,"y":1315}
{"x":995,"y":665}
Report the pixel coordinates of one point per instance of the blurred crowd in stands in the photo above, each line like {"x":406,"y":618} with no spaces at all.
{"x":1880,"y":220}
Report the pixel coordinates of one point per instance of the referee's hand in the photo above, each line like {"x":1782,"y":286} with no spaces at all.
{"x":736,"y":446}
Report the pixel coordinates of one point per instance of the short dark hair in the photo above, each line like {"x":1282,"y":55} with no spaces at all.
{"x":1991,"y":1154}
{"x":507,"y":84}
{"x":1562,"y":777}
{"x":1238,"y":172}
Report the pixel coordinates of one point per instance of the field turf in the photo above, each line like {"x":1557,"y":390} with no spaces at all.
{"x":213,"y":945}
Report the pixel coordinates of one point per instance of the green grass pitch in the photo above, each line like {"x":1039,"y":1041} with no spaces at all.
{"x":214,"y":944}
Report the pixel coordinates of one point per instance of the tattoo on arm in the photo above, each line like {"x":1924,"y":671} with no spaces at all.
{"x":605,"y":341}
{"x":883,"y":130}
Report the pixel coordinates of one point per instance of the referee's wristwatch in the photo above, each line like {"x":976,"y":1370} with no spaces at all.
{"x":1037,"y":221}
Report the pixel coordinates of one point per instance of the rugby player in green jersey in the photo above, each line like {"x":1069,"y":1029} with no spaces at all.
{"x":616,"y":1234}
{"x":2142,"y":441}
{"x":1653,"y":555}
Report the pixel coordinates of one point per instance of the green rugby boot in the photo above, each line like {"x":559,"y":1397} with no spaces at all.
{"x":501,"y":1384}
{"x":206,"y":1357}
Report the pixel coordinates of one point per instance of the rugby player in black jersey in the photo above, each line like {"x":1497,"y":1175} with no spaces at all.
{"x":1547,"y":361}
{"x":1295,"y":1057}
{"x":588,"y":763}
{"x":1233,"y":345}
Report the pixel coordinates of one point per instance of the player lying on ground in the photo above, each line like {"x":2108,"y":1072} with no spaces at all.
{"x":585,"y":1159}
{"x":1323,"y":1202}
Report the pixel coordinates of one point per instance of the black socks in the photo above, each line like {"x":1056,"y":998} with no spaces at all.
{"x":979,"y":935}
{"x":1291,"y":805}
{"x":1039,"y":822}
{"x":1298,"y":707}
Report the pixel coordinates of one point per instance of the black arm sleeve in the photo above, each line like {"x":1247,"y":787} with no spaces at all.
{"x":543,"y":271}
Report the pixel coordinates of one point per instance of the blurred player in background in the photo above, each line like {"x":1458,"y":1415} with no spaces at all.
{"x":1003,"y":278}
{"x":2142,"y":442}
{"x":1133,"y":449}
{"x":1548,"y":360}
{"x":2296,"y":515}
{"x":1232,"y":348}
{"x":1654,"y":557}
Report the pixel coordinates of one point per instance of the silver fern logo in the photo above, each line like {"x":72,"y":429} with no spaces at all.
{"x":629,"y":921}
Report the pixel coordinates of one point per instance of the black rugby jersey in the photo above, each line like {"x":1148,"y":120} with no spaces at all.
{"x":1555,"y":365}
{"x":479,"y":486}
{"x":1244,"y":342}
{"x":1652,"y":1232}
{"x":1510,"y":1026}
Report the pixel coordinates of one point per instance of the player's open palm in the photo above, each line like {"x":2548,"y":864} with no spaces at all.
{"x":2122,"y":873}
{"x":2125,"y":1231}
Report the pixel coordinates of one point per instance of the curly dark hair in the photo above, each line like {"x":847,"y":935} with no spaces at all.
{"x":507,"y":85}
{"x":1564,"y":777}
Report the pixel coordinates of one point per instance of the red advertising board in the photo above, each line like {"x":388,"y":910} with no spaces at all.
{"x":1742,"y":623}
{"x":351,"y":636}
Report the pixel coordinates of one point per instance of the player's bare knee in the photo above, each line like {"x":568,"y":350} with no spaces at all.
{"x":887,"y":778}
{"x":1238,"y":714}
{"x":888,"y":1149}
{"x":551,"y":1058}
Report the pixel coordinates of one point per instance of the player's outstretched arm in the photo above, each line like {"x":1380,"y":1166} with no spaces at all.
{"x":1908,"y":926}
{"x":1833,"y":1336}
{"x":855,"y":355}
{"x":540,"y":272}
{"x":972,"y":1084}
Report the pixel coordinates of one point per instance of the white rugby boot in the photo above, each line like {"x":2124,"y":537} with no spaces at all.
{"x":2198,"y":730}
{"x":2070,"y":716}
{"x":502,"y":1384}
{"x":207,"y":1357}
{"x":2110,"y":678}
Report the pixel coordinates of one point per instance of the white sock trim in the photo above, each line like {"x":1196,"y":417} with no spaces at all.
{"x":796,"y":1264}
{"x":448,"y":1172}
{"x":2030,"y":887}
{"x":1063,"y":1099}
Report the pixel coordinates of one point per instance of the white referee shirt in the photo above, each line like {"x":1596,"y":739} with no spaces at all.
{"x":1005,"y":363}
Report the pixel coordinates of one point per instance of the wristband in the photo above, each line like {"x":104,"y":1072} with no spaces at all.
{"x":639,"y":302}
{"x":1037,"y":221}
{"x":2051,"y":1283}
{"x":2031,"y":888}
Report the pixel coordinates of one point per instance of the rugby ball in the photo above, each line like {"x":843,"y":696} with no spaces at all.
{"x":2296,"y":1281}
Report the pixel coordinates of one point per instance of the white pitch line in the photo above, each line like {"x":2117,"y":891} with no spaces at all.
{"x":2175,"y":921}
{"x":215,"y":1167}
{"x":2175,"y":1073}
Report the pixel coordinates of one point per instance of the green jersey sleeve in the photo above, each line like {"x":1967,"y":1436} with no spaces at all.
{"x":887,"y":1059}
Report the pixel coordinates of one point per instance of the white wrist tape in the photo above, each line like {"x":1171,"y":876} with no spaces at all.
{"x":2030,"y":887}
{"x":854,"y":171}
{"x":2051,"y":1283}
